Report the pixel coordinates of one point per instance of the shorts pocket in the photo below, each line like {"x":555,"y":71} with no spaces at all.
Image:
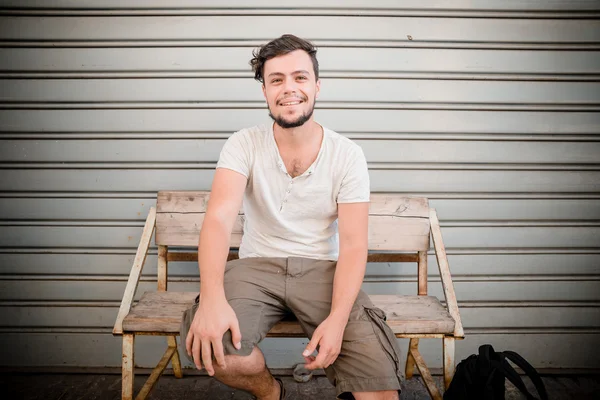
{"x":186,"y":323}
{"x":359,"y":331}
{"x":386,"y":337}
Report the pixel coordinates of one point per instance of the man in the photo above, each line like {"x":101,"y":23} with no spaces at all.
{"x":305,"y":193}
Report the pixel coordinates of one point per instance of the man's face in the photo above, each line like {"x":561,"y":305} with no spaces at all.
{"x":290,"y":88}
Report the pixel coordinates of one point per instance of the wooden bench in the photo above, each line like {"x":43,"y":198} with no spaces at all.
{"x":399,"y":231}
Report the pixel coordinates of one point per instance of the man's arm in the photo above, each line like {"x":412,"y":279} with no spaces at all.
{"x":353,"y":221}
{"x":213,"y":247}
{"x":353,"y":225}
{"x":214,"y":316}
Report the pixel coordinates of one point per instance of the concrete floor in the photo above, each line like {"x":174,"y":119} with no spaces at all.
{"x":23,"y":386}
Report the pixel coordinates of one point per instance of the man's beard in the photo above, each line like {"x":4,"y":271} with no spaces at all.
{"x":301,"y":120}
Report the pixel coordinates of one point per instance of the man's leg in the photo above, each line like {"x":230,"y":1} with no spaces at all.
{"x":384,"y":395}
{"x":253,"y":288}
{"x":368,"y":364}
{"x":249,"y":373}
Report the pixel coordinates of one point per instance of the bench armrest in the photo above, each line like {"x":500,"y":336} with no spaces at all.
{"x":136,"y":271}
{"x":447,"y":285}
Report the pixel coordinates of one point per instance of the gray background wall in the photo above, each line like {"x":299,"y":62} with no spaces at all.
{"x":489,"y":108}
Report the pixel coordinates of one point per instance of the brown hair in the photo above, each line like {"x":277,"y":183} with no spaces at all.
{"x":279,"y":47}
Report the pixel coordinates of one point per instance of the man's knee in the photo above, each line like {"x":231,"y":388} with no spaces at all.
{"x":249,"y":365}
{"x":383,"y":395}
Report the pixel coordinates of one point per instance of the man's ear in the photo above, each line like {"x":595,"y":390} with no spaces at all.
{"x":318,"y":88}
{"x":264,"y":90}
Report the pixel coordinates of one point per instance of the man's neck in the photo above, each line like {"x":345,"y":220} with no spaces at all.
{"x":298,"y":137}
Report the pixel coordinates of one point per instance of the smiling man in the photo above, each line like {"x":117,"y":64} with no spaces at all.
{"x":305,"y":194}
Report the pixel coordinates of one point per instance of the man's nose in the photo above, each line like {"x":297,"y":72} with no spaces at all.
{"x":289,"y":86}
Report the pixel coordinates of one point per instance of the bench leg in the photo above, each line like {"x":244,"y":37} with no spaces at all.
{"x":175,"y":361}
{"x":128,"y":367}
{"x":428,"y":381}
{"x":449,"y":352}
{"x":410,"y":360}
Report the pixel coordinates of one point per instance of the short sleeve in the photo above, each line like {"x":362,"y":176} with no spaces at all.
{"x":236,"y":153}
{"x":355,"y":187}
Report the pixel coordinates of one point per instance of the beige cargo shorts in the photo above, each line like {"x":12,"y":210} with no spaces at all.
{"x":262,"y":291}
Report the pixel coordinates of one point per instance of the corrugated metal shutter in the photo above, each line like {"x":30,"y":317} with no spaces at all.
{"x":488,"y":108}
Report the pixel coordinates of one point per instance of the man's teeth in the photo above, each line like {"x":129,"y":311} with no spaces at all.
{"x":290,"y":103}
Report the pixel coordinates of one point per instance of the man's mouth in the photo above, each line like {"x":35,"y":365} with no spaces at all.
{"x":287,"y":103}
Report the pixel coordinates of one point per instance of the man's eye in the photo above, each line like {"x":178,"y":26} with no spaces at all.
{"x":301,"y":77}
{"x":276,"y":81}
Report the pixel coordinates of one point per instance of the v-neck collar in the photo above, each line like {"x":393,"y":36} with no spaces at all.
{"x":311,"y":169}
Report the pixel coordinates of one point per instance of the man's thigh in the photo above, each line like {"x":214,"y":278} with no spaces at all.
{"x":253,"y":288}
{"x":369,"y":357}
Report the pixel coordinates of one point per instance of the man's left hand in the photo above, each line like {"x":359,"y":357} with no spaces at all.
{"x":328,"y":336}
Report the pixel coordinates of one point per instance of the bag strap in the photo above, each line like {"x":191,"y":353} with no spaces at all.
{"x":509,"y":372}
{"x":530,"y":371}
{"x":498,"y":362}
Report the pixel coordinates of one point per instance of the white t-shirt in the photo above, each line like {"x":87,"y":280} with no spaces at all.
{"x":294,"y":217}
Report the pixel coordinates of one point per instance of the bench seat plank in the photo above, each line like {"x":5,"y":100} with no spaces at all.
{"x":160,"y":312}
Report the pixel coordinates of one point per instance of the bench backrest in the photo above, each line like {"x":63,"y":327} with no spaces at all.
{"x":396,"y":223}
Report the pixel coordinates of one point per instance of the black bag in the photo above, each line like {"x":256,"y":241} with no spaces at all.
{"x":481,"y":377}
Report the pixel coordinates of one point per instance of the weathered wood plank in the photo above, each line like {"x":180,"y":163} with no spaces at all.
{"x":422,"y":273}
{"x":398,"y":233}
{"x":161,"y":312}
{"x":449,"y":360}
{"x":128,"y":368}
{"x":162,"y":269}
{"x":182,"y":201}
{"x":156,"y":373}
{"x":175,"y":361}
{"x":183,"y":229}
{"x":447,"y":285}
{"x":386,"y":233}
{"x":414,"y":314}
{"x":426,"y":375}
{"x":136,"y":271}
{"x":381,"y":204}
{"x":386,"y":204}
{"x":413,"y":344}
{"x":372,"y":257}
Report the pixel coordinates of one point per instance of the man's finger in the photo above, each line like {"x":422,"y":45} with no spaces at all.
{"x":196,"y":352}
{"x":309,"y":359}
{"x":217,"y":346}
{"x":236,"y":334}
{"x":207,"y":357}
{"x":312,"y":345}
{"x":317,"y":363}
{"x":188,"y":342}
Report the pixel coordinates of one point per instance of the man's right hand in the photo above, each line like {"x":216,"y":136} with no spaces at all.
{"x":213,"y":318}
